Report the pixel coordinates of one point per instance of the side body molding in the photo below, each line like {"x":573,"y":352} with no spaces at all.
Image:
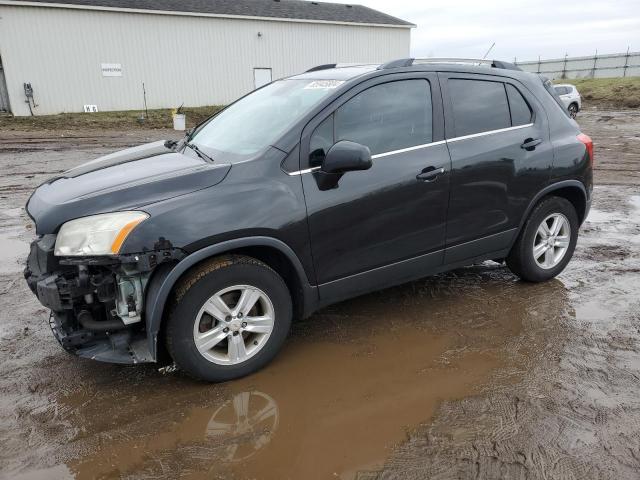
{"x":161,"y":284}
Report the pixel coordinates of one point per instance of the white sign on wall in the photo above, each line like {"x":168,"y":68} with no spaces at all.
{"x":90,"y":108}
{"x":111,"y":69}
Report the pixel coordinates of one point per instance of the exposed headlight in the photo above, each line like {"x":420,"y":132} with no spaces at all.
{"x":101,"y":234}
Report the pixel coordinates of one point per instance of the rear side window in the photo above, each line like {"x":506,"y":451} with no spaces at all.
{"x":561,"y":90}
{"x":520,"y":110}
{"x":478,"y":106}
{"x":387,"y":117}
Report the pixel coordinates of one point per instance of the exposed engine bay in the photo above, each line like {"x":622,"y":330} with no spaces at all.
{"x":97,"y":303}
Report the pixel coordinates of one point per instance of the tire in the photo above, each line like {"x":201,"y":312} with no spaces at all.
{"x":203,"y":306}
{"x":573,"y":110}
{"x":531,"y":241}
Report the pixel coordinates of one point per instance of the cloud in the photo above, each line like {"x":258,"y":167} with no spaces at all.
{"x":520,"y":28}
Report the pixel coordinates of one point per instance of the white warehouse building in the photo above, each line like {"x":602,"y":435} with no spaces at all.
{"x":74,"y":53}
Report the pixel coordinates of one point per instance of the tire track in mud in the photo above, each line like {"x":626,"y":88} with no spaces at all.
{"x":574,"y":410}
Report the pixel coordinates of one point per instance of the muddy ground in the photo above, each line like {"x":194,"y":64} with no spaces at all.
{"x":469,"y":374}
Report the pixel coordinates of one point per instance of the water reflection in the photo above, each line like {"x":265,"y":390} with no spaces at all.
{"x":348,"y":386}
{"x":246,"y":423}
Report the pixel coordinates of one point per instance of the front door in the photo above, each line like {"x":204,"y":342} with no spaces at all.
{"x":395,"y":211}
{"x":501,"y":155}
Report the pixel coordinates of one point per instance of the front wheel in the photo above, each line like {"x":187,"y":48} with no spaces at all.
{"x":229,"y":317}
{"x":546,"y":242}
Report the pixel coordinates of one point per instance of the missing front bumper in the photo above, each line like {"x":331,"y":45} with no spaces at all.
{"x":96,"y":302}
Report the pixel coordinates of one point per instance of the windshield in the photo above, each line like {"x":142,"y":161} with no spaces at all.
{"x":257,"y":120}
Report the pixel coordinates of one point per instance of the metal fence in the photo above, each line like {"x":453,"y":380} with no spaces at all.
{"x":596,"y":66}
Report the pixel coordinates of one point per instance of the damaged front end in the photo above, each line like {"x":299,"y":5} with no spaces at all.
{"x":97,"y":303}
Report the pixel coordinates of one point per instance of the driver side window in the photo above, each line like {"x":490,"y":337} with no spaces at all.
{"x":321,"y":141}
{"x":386,"y":117}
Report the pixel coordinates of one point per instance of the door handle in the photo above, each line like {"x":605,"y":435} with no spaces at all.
{"x":430,"y":174}
{"x":531,"y":144}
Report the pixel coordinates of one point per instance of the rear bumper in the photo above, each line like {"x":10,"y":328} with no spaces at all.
{"x":96,"y":303}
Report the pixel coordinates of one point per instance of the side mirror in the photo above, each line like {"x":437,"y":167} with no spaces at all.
{"x":342,"y":157}
{"x":346,"y":156}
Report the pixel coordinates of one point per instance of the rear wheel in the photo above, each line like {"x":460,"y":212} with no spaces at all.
{"x":573,"y":110}
{"x":228,"y":319}
{"x":546,"y":242}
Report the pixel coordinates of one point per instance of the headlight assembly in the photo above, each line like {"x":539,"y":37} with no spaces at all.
{"x":101,"y":234}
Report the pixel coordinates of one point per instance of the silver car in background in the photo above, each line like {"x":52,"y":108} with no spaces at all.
{"x":570,"y":98}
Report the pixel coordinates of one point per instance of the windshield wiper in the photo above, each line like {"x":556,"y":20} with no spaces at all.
{"x":199,"y":152}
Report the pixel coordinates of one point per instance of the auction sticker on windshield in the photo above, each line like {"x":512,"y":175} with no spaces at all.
{"x":323,"y":84}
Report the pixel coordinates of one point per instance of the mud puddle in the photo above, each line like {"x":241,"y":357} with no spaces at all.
{"x":13,"y":248}
{"x":351,"y":385}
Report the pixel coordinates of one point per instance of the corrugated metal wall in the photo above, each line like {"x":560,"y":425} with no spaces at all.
{"x":181,"y":59}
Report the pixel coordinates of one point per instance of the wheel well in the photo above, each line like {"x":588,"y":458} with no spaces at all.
{"x":576,"y":104}
{"x":275,"y":259}
{"x":575,"y":196}
{"x":283,"y":266}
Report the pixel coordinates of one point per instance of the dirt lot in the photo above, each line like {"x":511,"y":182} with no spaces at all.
{"x":470,"y":374}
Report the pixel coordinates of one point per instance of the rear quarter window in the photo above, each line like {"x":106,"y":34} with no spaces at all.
{"x":548,"y":86}
{"x":520,"y":110}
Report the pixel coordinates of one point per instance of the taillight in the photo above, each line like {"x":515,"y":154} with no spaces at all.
{"x":586,"y":139}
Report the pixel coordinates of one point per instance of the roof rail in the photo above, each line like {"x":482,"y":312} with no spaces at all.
{"x":326,"y":66}
{"x":407,"y":62}
{"x":402,"y":62}
{"x":338,"y":65}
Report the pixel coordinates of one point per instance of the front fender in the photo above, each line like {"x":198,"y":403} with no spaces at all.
{"x":163,"y":281}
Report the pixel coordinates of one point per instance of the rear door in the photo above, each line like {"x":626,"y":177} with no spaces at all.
{"x":498,"y":138}
{"x":393,"y":211}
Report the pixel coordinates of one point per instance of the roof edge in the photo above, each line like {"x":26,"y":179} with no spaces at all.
{"x":26,"y":3}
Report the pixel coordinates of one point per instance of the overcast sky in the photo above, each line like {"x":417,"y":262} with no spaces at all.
{"x":520,"y":28}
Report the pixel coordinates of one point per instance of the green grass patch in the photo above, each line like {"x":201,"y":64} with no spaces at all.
{"x":126,"y":120}
{"x":608,"y":92}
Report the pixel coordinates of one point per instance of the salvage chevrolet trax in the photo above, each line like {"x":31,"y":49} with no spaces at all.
{"x":308,"y":191}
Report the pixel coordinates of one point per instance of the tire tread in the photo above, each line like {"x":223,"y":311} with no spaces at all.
{"x":192,"y":277}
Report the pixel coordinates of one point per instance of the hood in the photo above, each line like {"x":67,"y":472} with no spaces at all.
{"x":123,"y":180}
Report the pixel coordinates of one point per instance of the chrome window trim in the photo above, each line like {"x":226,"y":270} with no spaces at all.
{"x":489,"y":132}
{"x":377,"y":155}
{"x":424,"y":145}
{"x":408,"y":149}
{"x":302,"y":172}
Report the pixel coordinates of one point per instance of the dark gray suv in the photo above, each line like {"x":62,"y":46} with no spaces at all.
{"x":311,"y":190}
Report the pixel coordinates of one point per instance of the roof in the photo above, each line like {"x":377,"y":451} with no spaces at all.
{"x":275,"y":9}
{"x":349,"y":72}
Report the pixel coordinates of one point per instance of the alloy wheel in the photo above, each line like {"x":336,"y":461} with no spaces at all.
{"x":233,"y":325}
{"x":551,"y":241}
